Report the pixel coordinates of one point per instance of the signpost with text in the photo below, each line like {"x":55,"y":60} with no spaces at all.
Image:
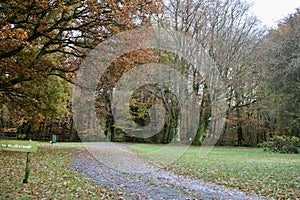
{"x":20,"y":146}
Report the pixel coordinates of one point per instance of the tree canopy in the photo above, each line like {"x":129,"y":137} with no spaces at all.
{"x":43,"y":43}
{"x":39,"y":39}
{"x":283,"y":74}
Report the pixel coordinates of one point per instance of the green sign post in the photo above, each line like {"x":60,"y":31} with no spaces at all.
{"x":21,"y":146}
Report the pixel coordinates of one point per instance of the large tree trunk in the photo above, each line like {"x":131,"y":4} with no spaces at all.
{"x":203,"y":117}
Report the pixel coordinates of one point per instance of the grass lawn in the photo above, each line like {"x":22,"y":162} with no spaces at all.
{"x":246,"y":169}
{"x":51,"y":176}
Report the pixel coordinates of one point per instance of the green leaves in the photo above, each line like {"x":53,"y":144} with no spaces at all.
{"x":282,"y":144}
{"x":45,"y":97}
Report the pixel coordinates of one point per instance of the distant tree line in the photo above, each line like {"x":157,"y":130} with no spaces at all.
{"x":44,"y":42}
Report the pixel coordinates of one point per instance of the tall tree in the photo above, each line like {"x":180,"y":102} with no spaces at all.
{"x":229,"y":34}
{"x":40,"y":39}
{"x":282,"y":46}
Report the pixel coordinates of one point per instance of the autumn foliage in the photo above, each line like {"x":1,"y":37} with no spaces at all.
{"x":41,"y":38}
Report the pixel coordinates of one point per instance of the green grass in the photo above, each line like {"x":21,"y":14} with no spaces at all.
{"x":246,"y":169}
{"x":51,"y":176}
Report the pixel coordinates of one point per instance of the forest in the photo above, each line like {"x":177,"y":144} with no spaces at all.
{"x":45,"y":43}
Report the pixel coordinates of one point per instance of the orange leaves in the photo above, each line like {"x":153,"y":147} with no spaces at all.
{"x":44,"y":38}
{"x":7,"y":32}
{"x":11,"y":37}
{"x":128,"y":61}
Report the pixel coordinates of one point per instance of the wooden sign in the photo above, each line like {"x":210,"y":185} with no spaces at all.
{"x":18,"y":145}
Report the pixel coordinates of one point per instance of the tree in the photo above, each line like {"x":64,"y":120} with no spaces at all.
{"x":229,"y":34}
{"x":108,"y":81}
{"x":41,"y":40}
{"x":47,"y":37}
{"x":282,"y":76}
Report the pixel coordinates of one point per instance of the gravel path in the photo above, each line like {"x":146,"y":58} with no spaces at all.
{"x":148,"y":182}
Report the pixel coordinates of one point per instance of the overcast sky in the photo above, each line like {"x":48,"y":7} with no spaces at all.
{"x":270,"y":11}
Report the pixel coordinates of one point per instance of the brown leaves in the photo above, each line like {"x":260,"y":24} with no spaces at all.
{"x":11,"y":37}
{"x":50,"y":177}
{"x":8,"y":32}
{"x":47,"y":37}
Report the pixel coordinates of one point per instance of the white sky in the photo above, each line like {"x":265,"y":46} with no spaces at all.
{"x":270,"y":11}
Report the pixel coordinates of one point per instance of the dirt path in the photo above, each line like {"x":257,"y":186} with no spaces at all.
{"x":148,"y":182}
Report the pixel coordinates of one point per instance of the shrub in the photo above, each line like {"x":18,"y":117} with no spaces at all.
{"x":282,"y":144}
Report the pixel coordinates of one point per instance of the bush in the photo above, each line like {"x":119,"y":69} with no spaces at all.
{"x":282,"y":144}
